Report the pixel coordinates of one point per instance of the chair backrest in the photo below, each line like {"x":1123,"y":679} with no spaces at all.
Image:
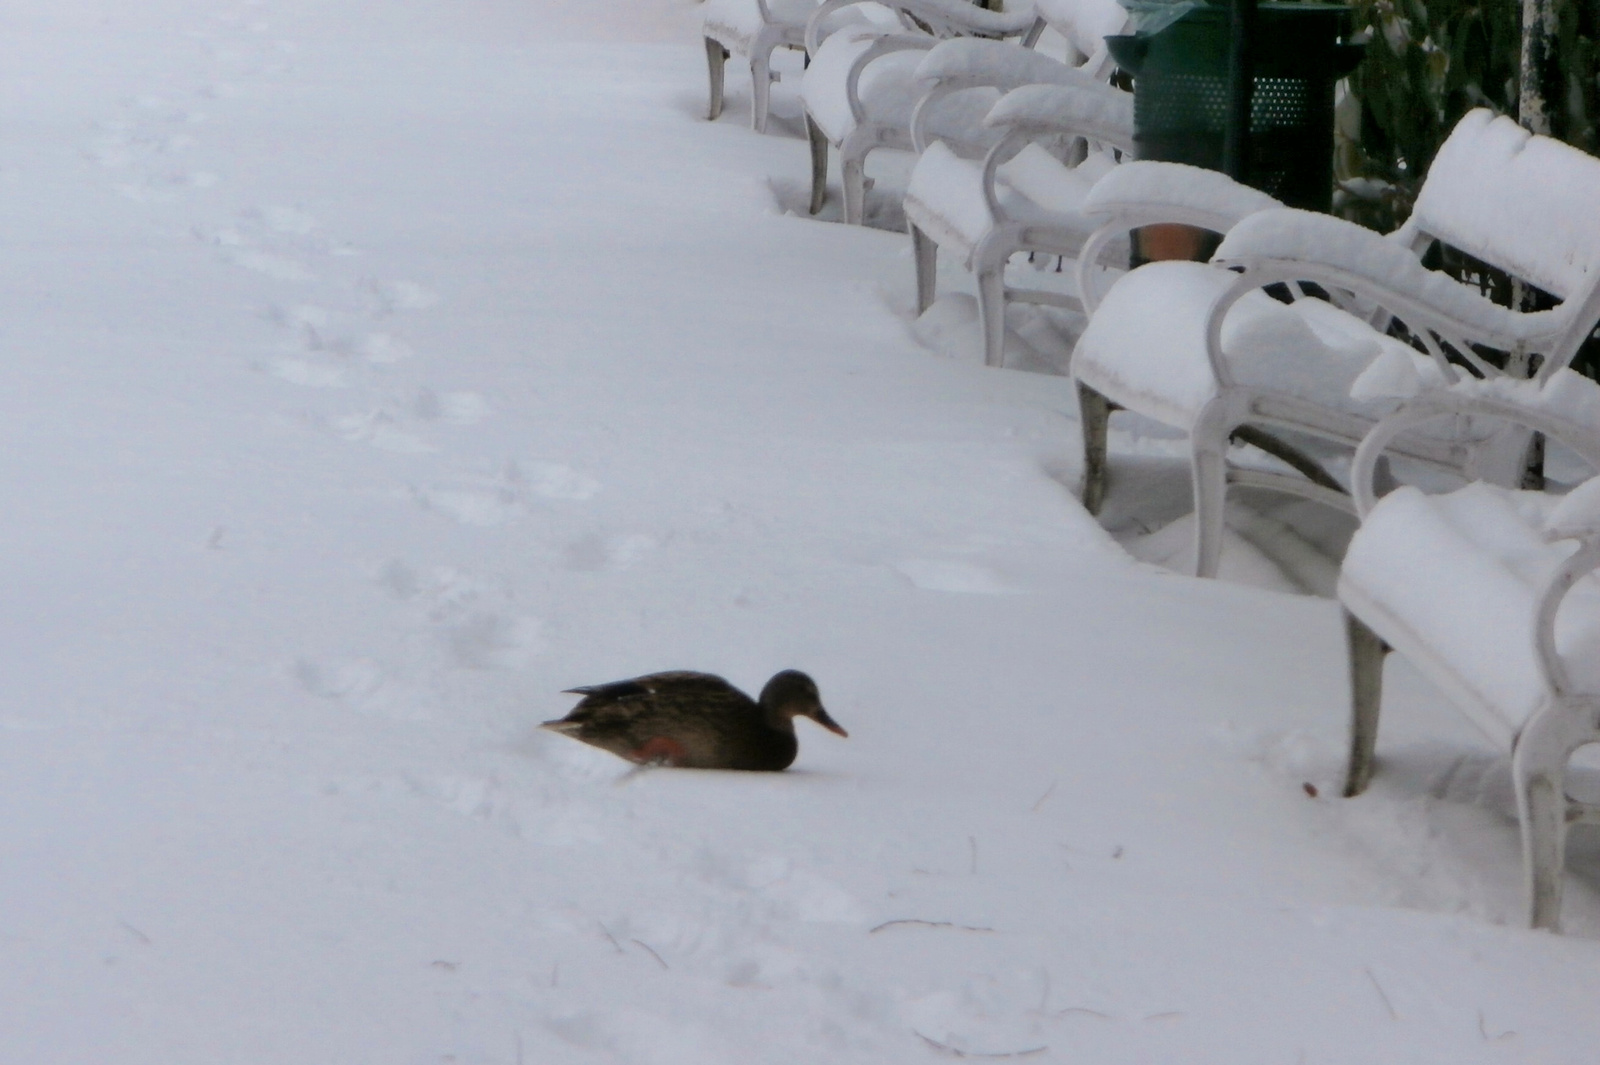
{"x":1527,"y":204}
{"x":1086,"y":24}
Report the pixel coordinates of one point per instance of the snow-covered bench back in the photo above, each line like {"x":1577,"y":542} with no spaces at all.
{"x":1529,"y":205}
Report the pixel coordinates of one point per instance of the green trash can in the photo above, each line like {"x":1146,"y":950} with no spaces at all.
{"x":1180,"y":94}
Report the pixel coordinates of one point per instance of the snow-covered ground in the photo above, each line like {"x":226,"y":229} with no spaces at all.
{"x":373,"y":372}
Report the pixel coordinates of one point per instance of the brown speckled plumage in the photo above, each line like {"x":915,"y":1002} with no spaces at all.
{"x":696,"y":720}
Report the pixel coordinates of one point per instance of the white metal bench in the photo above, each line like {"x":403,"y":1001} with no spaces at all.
{"x":1492,"y":593}
{"x":1200,"y":348}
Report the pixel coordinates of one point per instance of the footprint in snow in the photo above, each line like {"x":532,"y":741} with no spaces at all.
{"x":318,"y":329}
{"x":475,"y":623}
{"x":354,"y":678}
{"x":360,"y":684}
{"x":509,"y":495}
{"x":595,"y":553}
{"x":380,"y":429}
{"x":394,"y":296}
{"x":460,"y":408}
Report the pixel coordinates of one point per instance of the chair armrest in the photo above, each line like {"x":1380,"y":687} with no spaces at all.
{"x":1564,"y":406}
{"x":1097,"y":112}
{"x":974,"y":61}
{"x":1147,"y":192}
{"x":1290,"y":244}
{"x":977,"y":62}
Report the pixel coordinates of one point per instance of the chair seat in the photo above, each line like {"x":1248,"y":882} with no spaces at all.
{"x":1145,"y":347}
{"x":888,"y":91}
{"x":1452,"y":581}
{"x":945,"y":195}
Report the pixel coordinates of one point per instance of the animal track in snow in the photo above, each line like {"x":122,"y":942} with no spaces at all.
{"x":507,"y":496}
{"x":475,"y":623}
{"x":355,"y":678}
{"x":594,"y":553}
{"x":462,"y":408}
{"x":322,"y":330}
{"x":380,"y":429}
{"x":394,"y":296}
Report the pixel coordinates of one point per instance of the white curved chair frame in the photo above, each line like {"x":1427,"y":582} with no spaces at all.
{"x":927,"y":22}
{"x":1096,"y":116}
{"x":1568,"y":717}
{"x":773,"y":35}
{"x":1381,"y":279}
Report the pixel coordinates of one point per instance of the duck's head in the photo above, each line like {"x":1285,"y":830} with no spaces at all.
{"x":792,"y":694}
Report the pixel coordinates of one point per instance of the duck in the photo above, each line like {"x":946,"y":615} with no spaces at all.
{"x":694,"y":720}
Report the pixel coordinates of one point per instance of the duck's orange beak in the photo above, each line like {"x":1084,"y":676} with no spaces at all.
{"x":821,"y":717}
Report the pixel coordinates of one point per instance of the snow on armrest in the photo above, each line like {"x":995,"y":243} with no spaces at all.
{"x":1322,"y":240}
{"x":1102,"y":113}
{"x":1139,"y":187}
{"x":1001,"y":64}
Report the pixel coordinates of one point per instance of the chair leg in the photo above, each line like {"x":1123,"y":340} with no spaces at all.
{"x":760,"y":91}
{"x":1366,"y":652}
{"x":1543,"y":829}
{"x":925,"y":254}
{"x":716,"y":62}
{"x":1209,"y":474}
{"x":1538,"y":766}
{"x":1095,"y":416}
{"x":992,"y":314}
{"x":819,"y":163}
{"x":854,"y":172}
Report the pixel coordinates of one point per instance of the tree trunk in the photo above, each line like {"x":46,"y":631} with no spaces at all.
{"x":1539,"y":75}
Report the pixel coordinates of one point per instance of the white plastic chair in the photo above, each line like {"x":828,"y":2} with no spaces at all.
{"x":860,"y":89}
{"x":754,"y":30}
{"x":1492,"y":593}
{"x":1198,"y":347}
{"x":1019,"y":197}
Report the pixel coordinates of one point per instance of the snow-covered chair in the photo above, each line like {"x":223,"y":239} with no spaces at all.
{"x":860,"y":89}
{"x":1200,"y":348}
{"x":1021,"y":197}
{"x":1493,"y":594}
{"x":754,"y":30}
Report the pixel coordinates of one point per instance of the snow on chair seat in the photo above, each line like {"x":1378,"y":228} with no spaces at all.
{"x":1491,"y":593}
{"x":1382,"y":281}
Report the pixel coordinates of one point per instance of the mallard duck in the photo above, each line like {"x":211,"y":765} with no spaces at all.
{"x":696,"y":720}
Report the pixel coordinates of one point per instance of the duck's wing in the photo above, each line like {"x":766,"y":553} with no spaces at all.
{"x":651,"y":684}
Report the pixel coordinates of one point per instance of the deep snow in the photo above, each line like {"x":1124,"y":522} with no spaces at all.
{"x":374,"y":372}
